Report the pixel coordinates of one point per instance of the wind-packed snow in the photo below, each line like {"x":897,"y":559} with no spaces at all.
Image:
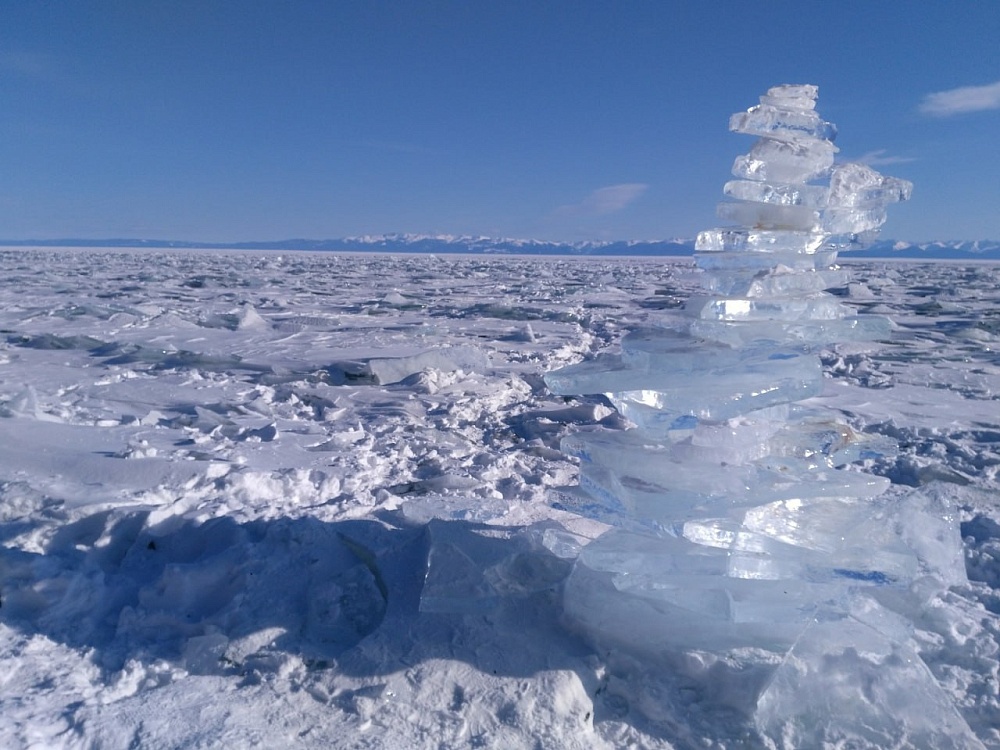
{"x":223,"y":473}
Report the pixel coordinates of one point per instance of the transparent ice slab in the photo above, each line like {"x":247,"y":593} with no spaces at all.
{"x":785,"y":431}
{"x":785,"y":123}
{"x":656,"y":398}
{"x":860,"y":185}
{"x":833,"y":440}
{"x":643,"y":616}
{"x":885,"y":543}
{"x":473,"y":568}
{"x":744,"y":240}
{"x":813,"y":334}
{"x":691,"y":591}
{"x":778,"y":161}
{"x":818,"y":307}
{"x":769,"y":216}
{"x":592,"y":376}
{"x":629,"y":503}
{"x":851,"y":186}
{"x":663,"y":410}
{"x":840,"y":529}
{"x":669,"y":477}
{"x":781,"y":194}
{"x":853,"y":220}
{"x":763,"y":261}
{"x":672,"y":349}
{"x":665,"y":360}
{"x":766,"y":283}
{"x":792,"y":96}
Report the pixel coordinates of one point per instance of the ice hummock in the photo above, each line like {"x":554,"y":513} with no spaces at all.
{"x":741,"y":523}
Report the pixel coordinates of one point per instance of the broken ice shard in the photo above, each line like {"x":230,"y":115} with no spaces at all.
{"x":739,"y":523}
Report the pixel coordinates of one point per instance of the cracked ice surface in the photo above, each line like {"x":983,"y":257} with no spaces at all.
{"x":214,"y":532}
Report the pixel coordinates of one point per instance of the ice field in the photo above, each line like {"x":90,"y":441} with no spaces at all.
{"x":223,"y":475}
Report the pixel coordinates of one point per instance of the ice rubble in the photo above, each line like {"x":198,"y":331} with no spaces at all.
{"x":739,"y":523}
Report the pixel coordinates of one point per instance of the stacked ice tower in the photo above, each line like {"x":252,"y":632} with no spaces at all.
{"x":739,"y":520}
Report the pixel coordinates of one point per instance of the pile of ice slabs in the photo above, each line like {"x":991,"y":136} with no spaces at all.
{"x":740,"y":523}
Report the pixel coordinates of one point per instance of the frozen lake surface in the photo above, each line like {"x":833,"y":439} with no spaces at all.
{"x":222,"y":474}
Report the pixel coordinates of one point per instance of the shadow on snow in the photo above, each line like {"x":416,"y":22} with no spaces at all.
{"x":215,"y":596}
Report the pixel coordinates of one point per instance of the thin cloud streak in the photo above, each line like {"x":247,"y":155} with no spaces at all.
{"x":613,"y":198}
{"x":605,"y":200}
{"x":878,"y":158}
{"x":962,"y":100}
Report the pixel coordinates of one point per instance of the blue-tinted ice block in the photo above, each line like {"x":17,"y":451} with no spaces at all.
{"x":795,"y":261}
{"x":658,"y":405}
{"x":813,"y":334}
{"x":666,"y":483}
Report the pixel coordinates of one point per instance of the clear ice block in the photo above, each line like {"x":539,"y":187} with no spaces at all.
{"x":780,"y":194}
{"x":756,"y":240}
{"x":786,"y":123}
{"x":767,"y":283}
{"x":809,"y":333}
{"x":765,"y":261}
{"x":860,"y":185}
{"x":770,"y":216}
{"x":726,"y":395}
{"x":752,"y":309}
{"x":853,"y":220}
{"x":792,"y":96}
{"x":793,"y":161}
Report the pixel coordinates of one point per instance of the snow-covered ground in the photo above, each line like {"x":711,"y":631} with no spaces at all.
{"x":222,"y":475}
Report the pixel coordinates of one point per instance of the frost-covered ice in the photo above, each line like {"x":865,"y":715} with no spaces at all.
{"x":216,"y":516}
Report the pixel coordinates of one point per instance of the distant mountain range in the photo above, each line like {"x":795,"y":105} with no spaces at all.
{"x":452,"y":244}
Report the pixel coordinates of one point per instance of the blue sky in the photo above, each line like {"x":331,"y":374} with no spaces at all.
{"x":224,"y":121}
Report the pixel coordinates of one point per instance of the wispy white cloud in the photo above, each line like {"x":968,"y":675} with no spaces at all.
{"x":879,"y":158}
{"x":605,"y":200}
{"x":961,"y":100}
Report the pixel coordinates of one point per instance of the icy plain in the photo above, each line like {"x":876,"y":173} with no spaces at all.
{"x":223,"y":473}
